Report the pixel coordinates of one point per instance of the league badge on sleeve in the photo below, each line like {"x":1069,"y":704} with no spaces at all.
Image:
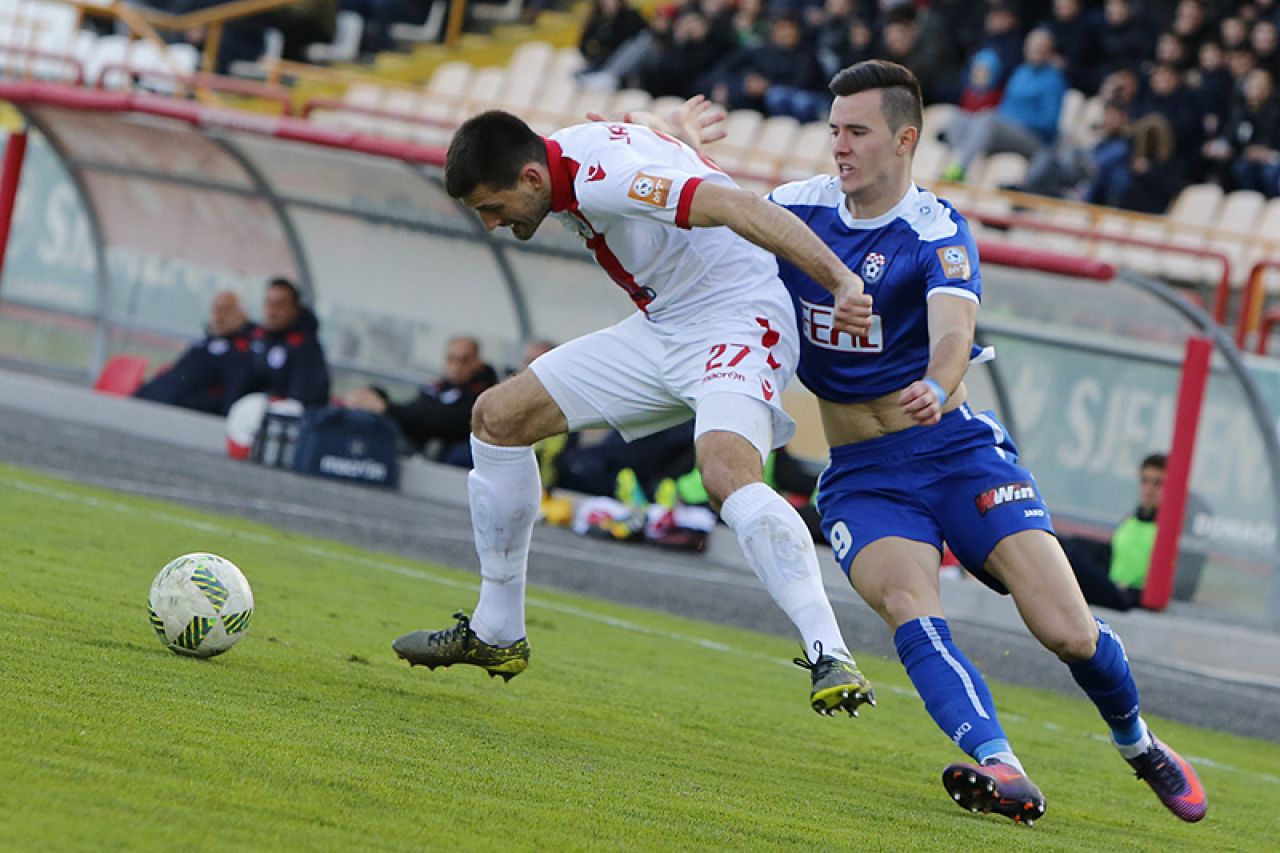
{"x":872,"y":267}
{"x":650,"y":189}
{"x":955,"y":262}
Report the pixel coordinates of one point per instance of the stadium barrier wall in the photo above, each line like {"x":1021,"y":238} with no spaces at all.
{"x":133,"y":210}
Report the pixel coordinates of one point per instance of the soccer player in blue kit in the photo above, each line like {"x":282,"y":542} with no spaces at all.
{"x":913,"y":466}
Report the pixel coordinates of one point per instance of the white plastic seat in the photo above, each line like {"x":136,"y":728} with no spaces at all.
{"x":771,"y":147}
{"x":345,"y":47}
{"x":741,"y":127}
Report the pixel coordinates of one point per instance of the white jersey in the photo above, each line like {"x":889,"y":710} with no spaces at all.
{"x":623,"y":187}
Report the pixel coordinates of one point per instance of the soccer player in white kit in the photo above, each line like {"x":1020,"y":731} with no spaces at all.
{"x":713,"y":338}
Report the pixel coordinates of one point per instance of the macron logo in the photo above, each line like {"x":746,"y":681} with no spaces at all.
{"x":1000,"y":495}
{"x":595,"y":173}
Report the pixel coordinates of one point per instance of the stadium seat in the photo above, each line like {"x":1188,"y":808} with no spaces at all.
{"x":1146,"y":260}
{"x":121,"y":375}
{"x":931,"y":158}
{"x":771,"y":147}
{"x":366,"y":95}
{"x":1004,"y":169}
{"x":345,"y":47}
{"x":566,"y":62}
{"x":1240,"y":215}
{"x":1193,"y":211}
{"x":485,"y":91}
{"x":936,"y":119}
{"x":630,"y":101}
{"x":810,"y":153}
{"x":429,"y":30}
{"x":1269,"y":229}
{"x":1110,"y":225}
{"x":741,"y":126}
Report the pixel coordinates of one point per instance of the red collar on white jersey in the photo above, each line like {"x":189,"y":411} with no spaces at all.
{"x":563,"y":172}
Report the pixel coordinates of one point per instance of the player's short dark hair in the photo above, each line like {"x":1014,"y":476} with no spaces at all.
{"x":490,"y":149}
{"x":281,"y":281}
{"x":1155,"y":460}
{"x":900,"y":99}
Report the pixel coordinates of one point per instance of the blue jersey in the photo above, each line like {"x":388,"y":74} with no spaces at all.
{"x":920,"y":248}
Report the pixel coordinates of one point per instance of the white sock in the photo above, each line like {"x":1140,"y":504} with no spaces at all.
{"x":778,"y":546}
{"x":504,"y":491}
{"x":1133,"y":750}
{"x":1007,"y":758}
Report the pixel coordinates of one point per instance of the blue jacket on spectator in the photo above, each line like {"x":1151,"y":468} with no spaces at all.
{"x":290,"y":363}
{"x":1033,"y":99}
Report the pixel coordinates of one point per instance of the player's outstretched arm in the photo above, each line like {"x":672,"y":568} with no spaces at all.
{"x":695,"y":122}
{"x":951,"y":324}
{"x":781,"y":232}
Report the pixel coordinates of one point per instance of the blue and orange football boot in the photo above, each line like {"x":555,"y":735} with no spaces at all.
{"x":1173,"y":779}
{"x":994,"y":787}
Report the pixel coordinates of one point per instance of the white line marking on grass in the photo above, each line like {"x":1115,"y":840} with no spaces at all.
{"x":567,"y":609}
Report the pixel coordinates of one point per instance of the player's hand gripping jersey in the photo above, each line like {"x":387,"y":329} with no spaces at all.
{"x":920,"y":248}
{"x":622,"y":187}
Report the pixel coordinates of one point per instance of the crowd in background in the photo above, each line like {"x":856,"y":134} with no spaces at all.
{"x":1187,"y":88}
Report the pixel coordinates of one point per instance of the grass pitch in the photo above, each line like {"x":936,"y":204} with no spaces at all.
{"x":631,"y":730}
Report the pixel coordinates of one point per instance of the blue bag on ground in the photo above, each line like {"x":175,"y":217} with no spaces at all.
{"x":348,"y":444}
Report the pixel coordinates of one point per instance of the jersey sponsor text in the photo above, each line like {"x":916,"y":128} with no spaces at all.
{"x":819,"y":327}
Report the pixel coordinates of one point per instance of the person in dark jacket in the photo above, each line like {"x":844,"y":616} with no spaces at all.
{"x":745,"y":78}
{"x":439,"y":417}
{"x":611,"y":24}
{"x":287,"y":358}
{"x":202,"y":378}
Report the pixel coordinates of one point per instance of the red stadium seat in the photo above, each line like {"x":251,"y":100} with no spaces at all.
{"x":121,"y":375}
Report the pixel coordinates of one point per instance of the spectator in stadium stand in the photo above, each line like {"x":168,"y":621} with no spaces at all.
{"x":610,"y":24}
{"x":1098,"y":173}
{"x":206,"y":375}
{"x":917,"y":40}
{"x":858,"y":42}
{"x":1155,"y":172}
{"x":982,"y":82}
{"x":1076,"y":34}
{"x":380,"y":15}
{"x":1026,"y":120}
{"x":1171,"y":50}
{"x":1002,"y":33}
{"x":303,"y":23}
{"x":1190,"y":24}
{"x":680,"y":61}
{"x":437,"y":422}
{"x":1167,"y":97}
{"x":1266,"y":46}
{"x":1113,"y":574}
{"x":288,"y":360}
{"x":780,"y":77}
{"x":750,"y":23}
{"x":1247,"y":152}
{"x":1212,"y":85}
{"x":242,"y":40}
{"x":1233,"y":32}
{"x":1126,"y":41}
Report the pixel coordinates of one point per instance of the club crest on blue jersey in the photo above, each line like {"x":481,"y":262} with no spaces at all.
{"x":873,"y":267}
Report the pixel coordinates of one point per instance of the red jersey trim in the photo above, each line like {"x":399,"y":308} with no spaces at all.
{"x":563,"y":172}
{"x":685,"y":203}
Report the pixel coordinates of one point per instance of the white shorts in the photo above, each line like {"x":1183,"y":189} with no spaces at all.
{"x":639,"y":378}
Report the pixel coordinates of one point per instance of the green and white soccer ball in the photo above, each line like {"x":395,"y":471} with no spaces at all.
{"x":200,"y":605}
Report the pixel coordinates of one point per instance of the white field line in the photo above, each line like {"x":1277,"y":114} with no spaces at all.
{"x":535,"y":601}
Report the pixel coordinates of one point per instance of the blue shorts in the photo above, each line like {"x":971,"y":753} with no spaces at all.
{"x":957,"y":481}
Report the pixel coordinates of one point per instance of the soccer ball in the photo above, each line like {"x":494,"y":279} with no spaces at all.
{"x":200,"y":605}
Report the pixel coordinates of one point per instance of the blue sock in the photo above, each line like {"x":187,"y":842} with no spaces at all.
{"x":954,"y":692}
{"x":1106,"y":679}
